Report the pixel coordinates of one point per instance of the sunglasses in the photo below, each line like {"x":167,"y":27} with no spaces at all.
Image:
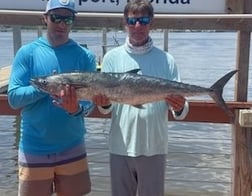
{"x":68,"y":20}
{"x":144,"y":20}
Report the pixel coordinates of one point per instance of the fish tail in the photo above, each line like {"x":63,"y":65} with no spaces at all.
{"x":217,"y":89}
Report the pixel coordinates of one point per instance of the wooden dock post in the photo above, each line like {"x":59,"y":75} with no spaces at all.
{"x":242,"y":137}
{"x":241,"y":176}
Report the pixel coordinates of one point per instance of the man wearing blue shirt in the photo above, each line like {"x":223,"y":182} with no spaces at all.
{"x":52,"y":155}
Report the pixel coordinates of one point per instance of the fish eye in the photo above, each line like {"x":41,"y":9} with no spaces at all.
{"x":43,"y":81}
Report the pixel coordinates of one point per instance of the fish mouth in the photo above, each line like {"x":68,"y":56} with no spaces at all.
{"x":37,"y":83}
{"x":34,"y":82}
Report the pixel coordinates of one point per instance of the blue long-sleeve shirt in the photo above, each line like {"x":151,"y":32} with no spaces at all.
{"x":46,"y":128}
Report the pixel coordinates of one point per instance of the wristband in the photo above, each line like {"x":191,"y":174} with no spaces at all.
{"x":105,"y":109}
{"x":178,"y":113}
{"x":106,"y":106}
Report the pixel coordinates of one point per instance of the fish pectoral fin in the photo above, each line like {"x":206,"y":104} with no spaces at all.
{"x":140,"y":106}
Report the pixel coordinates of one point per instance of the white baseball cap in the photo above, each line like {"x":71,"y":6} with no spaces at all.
{"x":55,"y":4}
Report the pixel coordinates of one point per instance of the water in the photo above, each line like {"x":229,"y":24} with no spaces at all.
{"x":202,"y":57}
{"x":199,"y":160}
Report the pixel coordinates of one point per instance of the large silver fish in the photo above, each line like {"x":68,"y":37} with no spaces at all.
{"x":129,"y":88}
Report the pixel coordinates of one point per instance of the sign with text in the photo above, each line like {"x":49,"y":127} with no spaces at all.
{"x":116,"y":6}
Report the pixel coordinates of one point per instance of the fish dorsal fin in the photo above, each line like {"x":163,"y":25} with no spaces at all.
{"x":133,"y":71}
